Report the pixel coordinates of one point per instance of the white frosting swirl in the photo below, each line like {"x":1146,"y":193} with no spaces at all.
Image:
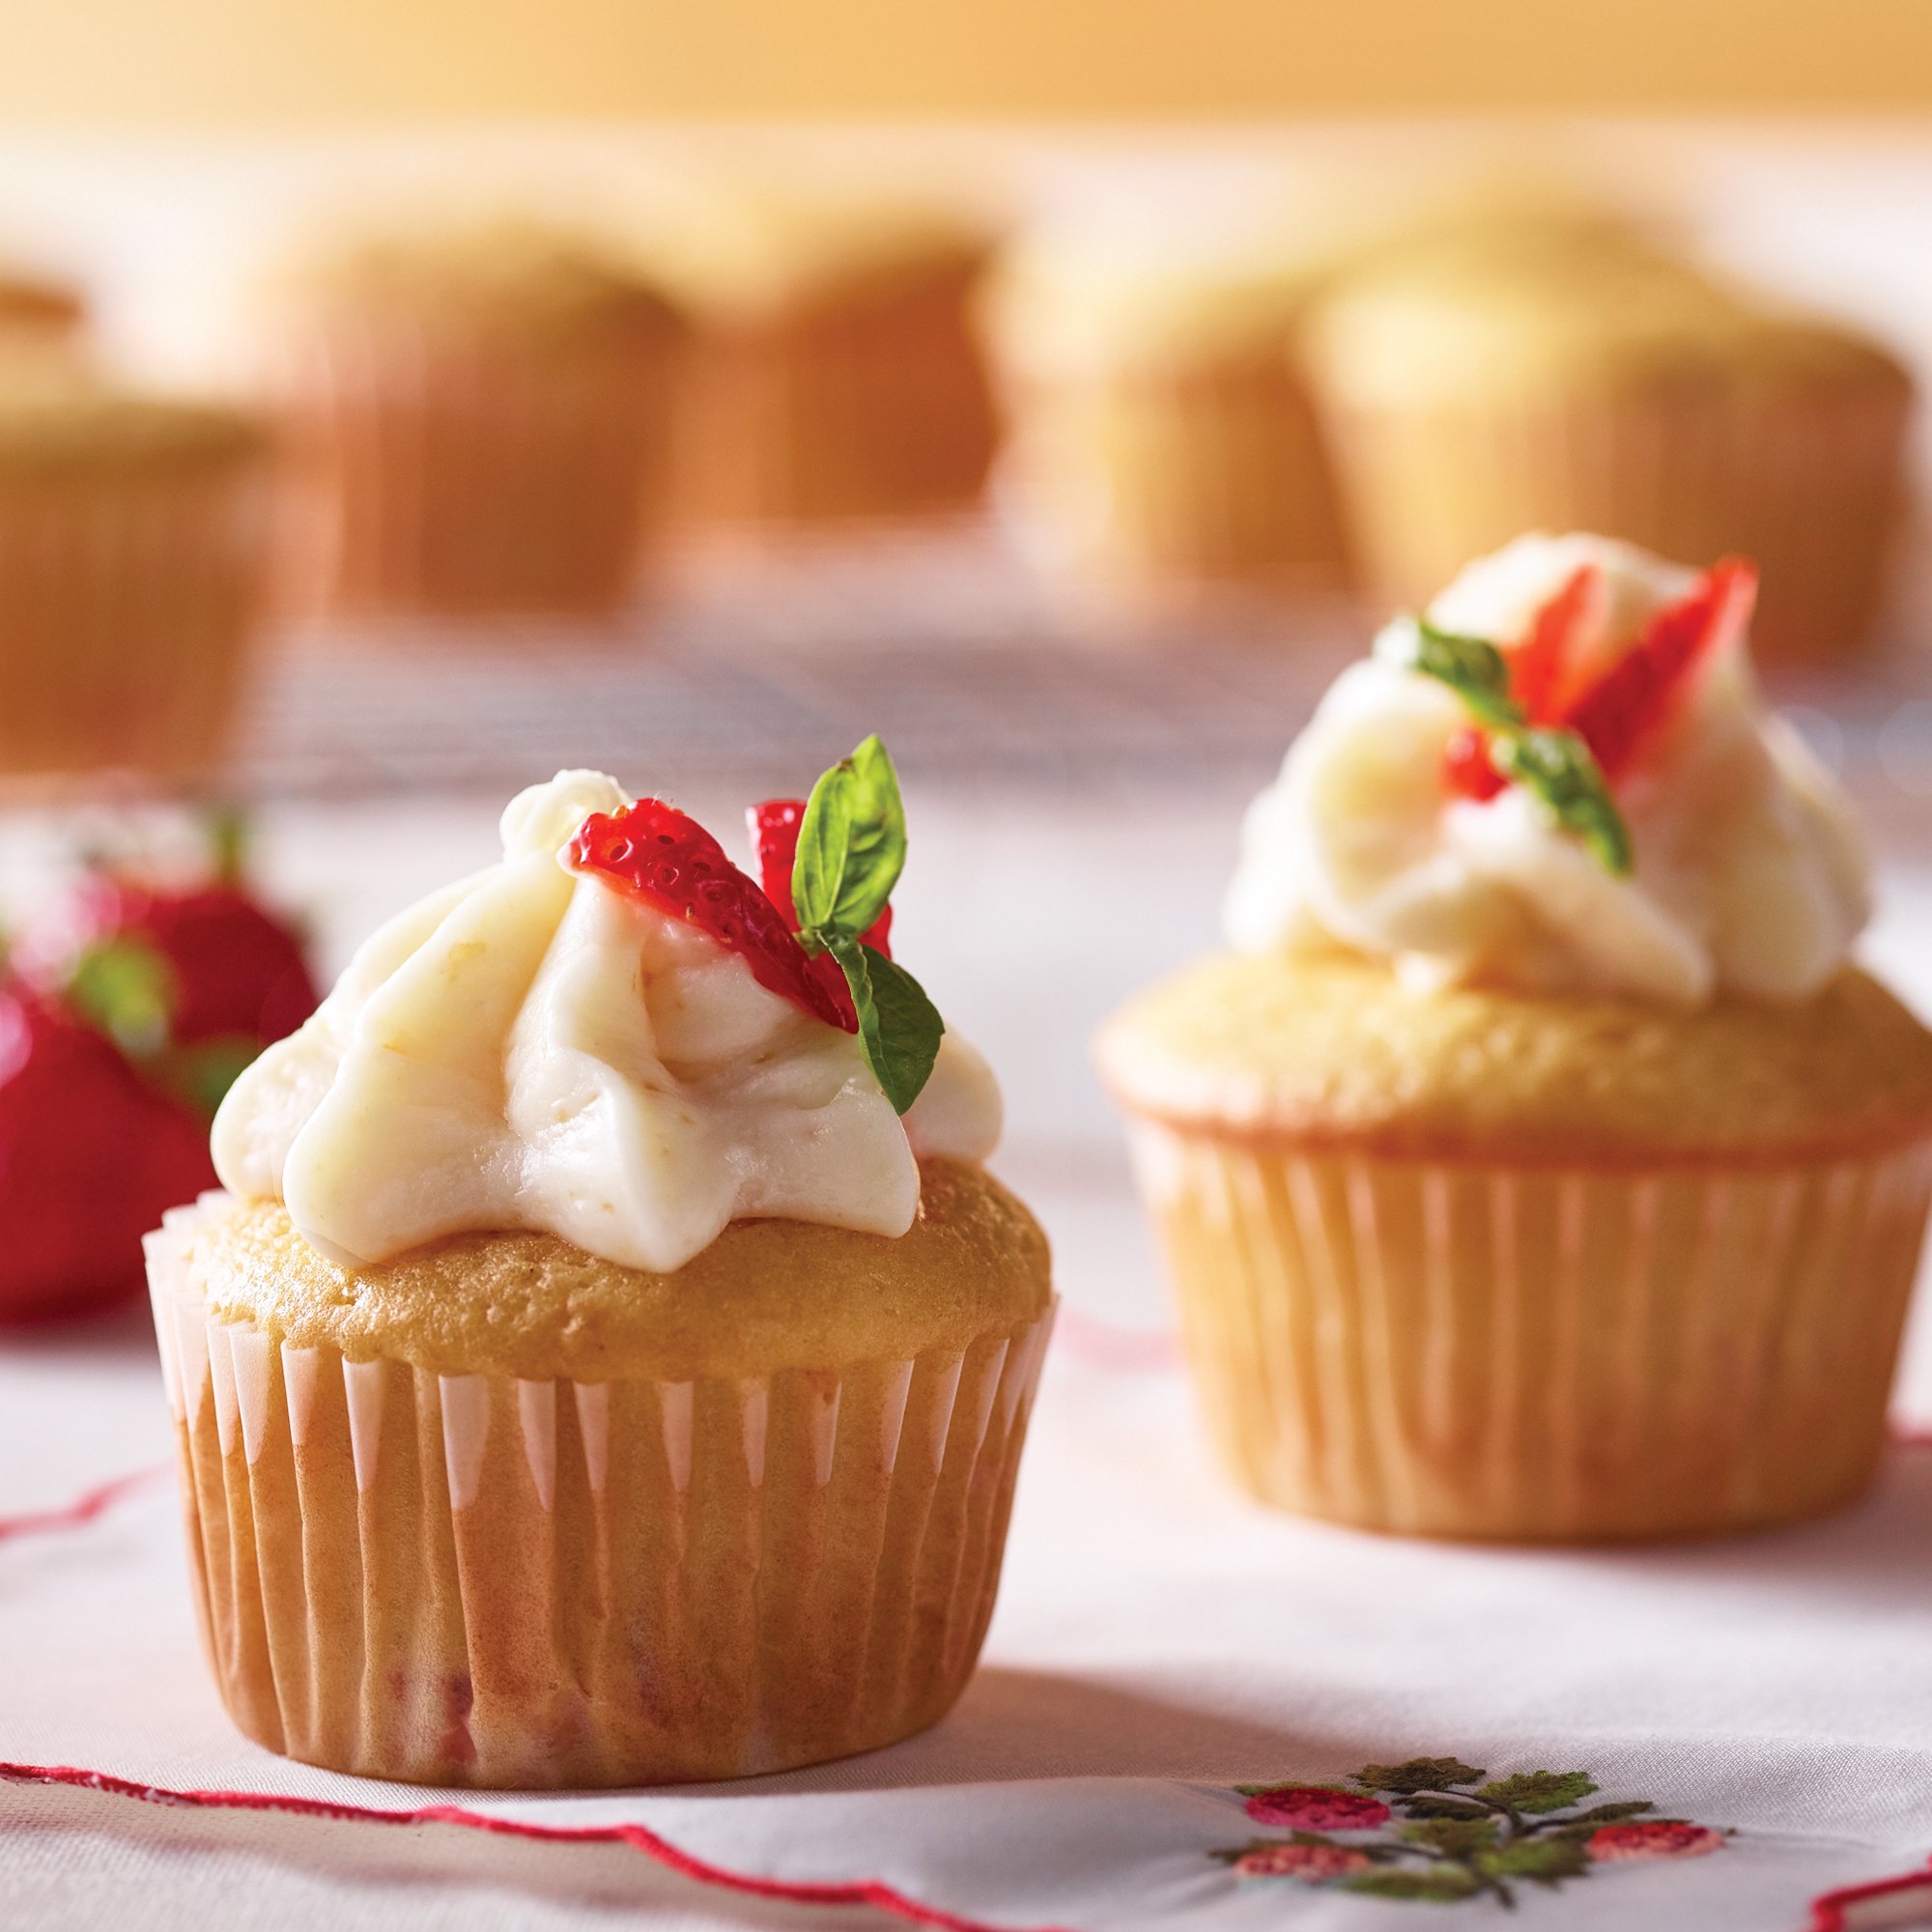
{"x":531,"y":1048}
{"x":1749,"y":874}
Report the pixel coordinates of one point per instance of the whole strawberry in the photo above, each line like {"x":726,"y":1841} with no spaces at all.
{"x":91,"y":1155}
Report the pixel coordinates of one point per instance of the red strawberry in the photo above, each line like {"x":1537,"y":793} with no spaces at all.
{"x":90,"y":1158}
{"x":1317,"y":1808}
{"x":667,"y":857}
{"x":1306,"y":1864}
{"x":775,"y":828}
{"x":1616,"y":713}
{"x":236,"y":970}
{"x":1646,"y":1838}
{"x":1467,"y":769}
{"x":1539,"y":664}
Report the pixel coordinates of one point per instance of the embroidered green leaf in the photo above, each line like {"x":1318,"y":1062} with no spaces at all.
{"x":1608,"y":1814}
{"x":1418,"y":1774}
{"x":898,"y":1026}
{"x":1472,"y":667}
{"x":1541,"y":1861}
{"x":1556,"y":766}
{"x":1540,"y":1791}
{"x":1442,"y":1885}
{"x":1453,"y":1837}
{"x":1443,"y":1808}
{"x":851,"y":844}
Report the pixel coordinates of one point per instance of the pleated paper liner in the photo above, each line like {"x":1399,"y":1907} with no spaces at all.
{"x":477,"y":1579}
{"x":1809,"y":485}
{"x":129,"y":610}
{"x":1475,"y":1352}
{"x":450,"y":472}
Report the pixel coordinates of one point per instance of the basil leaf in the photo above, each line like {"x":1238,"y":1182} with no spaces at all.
{"x":125,"y":989}
{"x":1556,"y":767}
{"x":851,"y":843}
{"x":1472,"y":667}
{"x":898,"y":1026}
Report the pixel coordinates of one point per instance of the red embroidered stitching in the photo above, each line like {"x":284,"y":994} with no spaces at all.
{"x":874,"y":1892}
{"x":1828,"y":1909}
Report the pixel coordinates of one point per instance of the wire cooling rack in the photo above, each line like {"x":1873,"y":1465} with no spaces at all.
{"x":756,"y":669}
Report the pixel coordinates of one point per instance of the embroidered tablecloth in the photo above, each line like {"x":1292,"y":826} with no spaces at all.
{"x":1191,"y":1713}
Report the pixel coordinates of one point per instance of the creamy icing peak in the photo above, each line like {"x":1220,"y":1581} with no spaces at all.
{"x":531,"y":1048}
{"x":1749,"y":875}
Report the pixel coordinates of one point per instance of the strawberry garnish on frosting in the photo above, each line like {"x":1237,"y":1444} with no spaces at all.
{"x":1615,"y":713}
{"x":1623,"y":707}
{"x":664,"y":856}
{"x":774,"y":827}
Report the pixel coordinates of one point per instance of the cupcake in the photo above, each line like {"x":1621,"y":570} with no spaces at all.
{"x":610,"y":1361}
{"x":1564,"y":376}
{"x":134,"y":557}
{"x":1165,"y":442}
{"x":1538,"y":1164}
{"x":837,"y":372}
{"x":39,"y":312}
{"x":482,"y":420}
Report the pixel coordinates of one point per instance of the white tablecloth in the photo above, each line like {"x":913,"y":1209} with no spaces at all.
{"x":1159,"y":1642}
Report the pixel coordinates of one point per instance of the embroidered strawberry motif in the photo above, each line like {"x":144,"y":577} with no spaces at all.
{"x":1310,"y":1865}
{"x":1653,"y":1838}
{"x":1461,"y":1836}
{"x":1316,"y":1807}
{"x":667,"y":857}
{"x":91,"y":1156}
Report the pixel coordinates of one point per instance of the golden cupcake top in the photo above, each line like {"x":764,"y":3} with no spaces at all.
{"x":510,"y":272}
{"x":765,"y":1296}
{"x":38,"y":304}
{"x":1508,"y":305}
{"x":55,"y":419}
{"x":737,"y":252}
{"x":1334,"y":1048}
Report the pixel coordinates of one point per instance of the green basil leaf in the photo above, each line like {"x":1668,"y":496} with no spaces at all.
{"x":125,"y":989}
{"x":851,"y":843}
{"x":898,"y":1026}
{"x":1556,"y":767}
{"x":1472,"y":667}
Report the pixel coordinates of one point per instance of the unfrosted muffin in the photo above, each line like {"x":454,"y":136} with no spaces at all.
{"x":135,"y":560}
{"x":1164,"y":439}
{"x":837,"y":372}
{"x":1564,"y":376}
{"x":482,"y":418}
{"x":1538,"y":1165}
{"x":611,"y":1362}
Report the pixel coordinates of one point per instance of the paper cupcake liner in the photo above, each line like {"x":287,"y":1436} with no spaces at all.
{"x":1476,"y":1352}
{"x":129,"y":606}
{"x":1161,"y":487}
{"x":879,"y":410}
{"x":446,"y":473}
{"x":1809,"y":483}
{"x":478,"y":1579}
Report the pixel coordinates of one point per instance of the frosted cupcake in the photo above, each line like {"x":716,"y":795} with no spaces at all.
{"x":1538,"y":1164}
{"x":609,"y":1362}
{"x":1165,"y":442}
{"x":1566,"y":376}
{"x":482,"y":418}
{"x":135,"y":561}
{"x":837,"y":372}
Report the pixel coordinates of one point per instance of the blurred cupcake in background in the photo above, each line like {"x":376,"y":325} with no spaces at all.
{"x":479,"y":418}
{"x":1164,"y":439}
{"x":839,"y":373}
{"x":1538,"y":1163}
{"x":1507,"y":373}
{"x":135,"y":560}
{"x":38,"y":311}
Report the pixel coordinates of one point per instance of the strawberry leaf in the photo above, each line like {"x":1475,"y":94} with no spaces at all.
{"x":898,"y":1026}
{"x":128,"y":990}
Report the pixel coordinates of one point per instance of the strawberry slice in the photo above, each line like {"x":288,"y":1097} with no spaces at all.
{"x":1537,"y":667}
{"x":1624,"y":706}
{"x":668,"y":859}
{"x":775,"y":826}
